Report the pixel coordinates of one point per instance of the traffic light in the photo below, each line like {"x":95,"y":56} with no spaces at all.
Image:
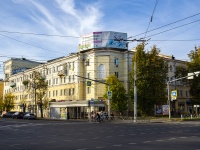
{"x":89,"y":83}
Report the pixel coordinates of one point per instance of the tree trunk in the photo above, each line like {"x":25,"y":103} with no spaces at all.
{"x":41,"y":109}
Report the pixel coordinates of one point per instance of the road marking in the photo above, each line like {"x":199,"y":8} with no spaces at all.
{"x":132,"y":143}
{"x":172,"y":138}
{"x":132,"y":134}
{"x":96,"y":138}
{"x":183,"y":137}
{"x":82,"y":149}
{"x":81,"y":139}
{"x":118,"y":145}
{"x":100,"y":147}
{"x":159,"y":140}
{"x":146,"y":141}
{"x":120,"y":135}
{"x":108,"y":136}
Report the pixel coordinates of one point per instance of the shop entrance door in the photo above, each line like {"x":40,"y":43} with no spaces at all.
{"x":74,"y":112}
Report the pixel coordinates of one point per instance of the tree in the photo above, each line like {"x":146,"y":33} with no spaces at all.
{"x":119,"y":100}
{"x":1,"y":104}
{"x":193,"y":66}
{"x":151,"y":79}
{"x":8,"y":101}
{"x":40,"y":87}
{"x":181,"y":72}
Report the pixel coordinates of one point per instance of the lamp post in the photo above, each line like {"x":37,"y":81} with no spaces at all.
{"x":168,"y":95}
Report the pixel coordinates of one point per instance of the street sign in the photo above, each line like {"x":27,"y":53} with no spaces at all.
{"x":174,"y":95}
{"x":109,"y":94}
{"x":89,"y":83}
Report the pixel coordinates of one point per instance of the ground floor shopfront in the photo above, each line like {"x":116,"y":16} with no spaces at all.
{"x":75,"y":109}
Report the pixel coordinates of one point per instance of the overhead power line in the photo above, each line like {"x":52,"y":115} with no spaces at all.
{"x":168,"y":24}
{"x":40,"y":34}
{"x":29,"y":44}
{"x":151,"y":18}
{"x":173,"y":28}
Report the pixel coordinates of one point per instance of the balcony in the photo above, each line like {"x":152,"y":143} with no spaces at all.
{"x":61,"y":73}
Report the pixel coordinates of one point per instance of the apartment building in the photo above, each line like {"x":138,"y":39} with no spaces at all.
{"x":67,"y":76}
{"x":182,"y":103}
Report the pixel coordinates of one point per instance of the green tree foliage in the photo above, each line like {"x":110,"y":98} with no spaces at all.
{"x":151,"y":79}
{"x":194,"y":66}
{"x":119,"y":100}
{"x":181,"y":72}
{"x":40,"y":87}
{"x":1,"y":104}
{"x":8,"y":102}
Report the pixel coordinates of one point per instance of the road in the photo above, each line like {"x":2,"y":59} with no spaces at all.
{"x":74,"y":135}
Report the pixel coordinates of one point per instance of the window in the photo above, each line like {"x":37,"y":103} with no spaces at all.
{"x":101,"y":71}
{"x":181,"y":93}
{"x":53,"y":93}
{"x":88,"y":75}
{"x":186,"y":93}
{"x":49,"y":93}
{"x":69,"y":91}
{"x":88,"y":90}
{"x":56,"y":92}
{"x":69,"y":78}
{"x":116,"y":62}
{"x":73,"y":91}
{"x":65,"y":91}
{"x":170,"y":68}
{"x":117,"y":74}
{"x":87,"y":62}
{"x":64,"y":80}
{"x":61,"y":92}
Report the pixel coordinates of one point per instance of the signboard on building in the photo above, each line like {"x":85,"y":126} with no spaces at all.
{"x":174,"y":95}
{"x":15,"y":71}
{"x":103,"y":39}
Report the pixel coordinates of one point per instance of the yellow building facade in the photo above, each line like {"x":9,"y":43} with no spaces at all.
{"x":66,"y":76}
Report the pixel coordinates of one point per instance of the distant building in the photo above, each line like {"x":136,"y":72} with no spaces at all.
{"x":16,"y":65}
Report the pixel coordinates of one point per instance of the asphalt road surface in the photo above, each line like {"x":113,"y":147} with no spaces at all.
{"x":79,"y":135}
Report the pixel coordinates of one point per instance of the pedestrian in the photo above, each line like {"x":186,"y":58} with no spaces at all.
{"x":98,"y":117}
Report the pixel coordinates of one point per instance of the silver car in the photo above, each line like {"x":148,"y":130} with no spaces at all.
{"x":29,"y":116}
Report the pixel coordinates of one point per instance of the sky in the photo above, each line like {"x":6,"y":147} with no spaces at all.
{"x":41,"y":30}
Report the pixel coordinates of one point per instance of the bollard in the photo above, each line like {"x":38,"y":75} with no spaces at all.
{"x":181,"y":117}
{"x":191,"y":116}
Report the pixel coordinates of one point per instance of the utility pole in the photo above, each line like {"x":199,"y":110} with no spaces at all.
{"x":135,"y":92}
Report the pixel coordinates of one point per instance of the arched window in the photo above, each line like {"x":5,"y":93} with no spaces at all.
{"x":102,"y":71}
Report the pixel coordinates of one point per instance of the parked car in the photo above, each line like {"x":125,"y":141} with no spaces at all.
{"x":18,"y":115}
{"x":29,"y":116}
{"x":8,"y":114}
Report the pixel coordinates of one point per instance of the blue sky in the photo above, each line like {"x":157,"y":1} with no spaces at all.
{"x":71,"y":18}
